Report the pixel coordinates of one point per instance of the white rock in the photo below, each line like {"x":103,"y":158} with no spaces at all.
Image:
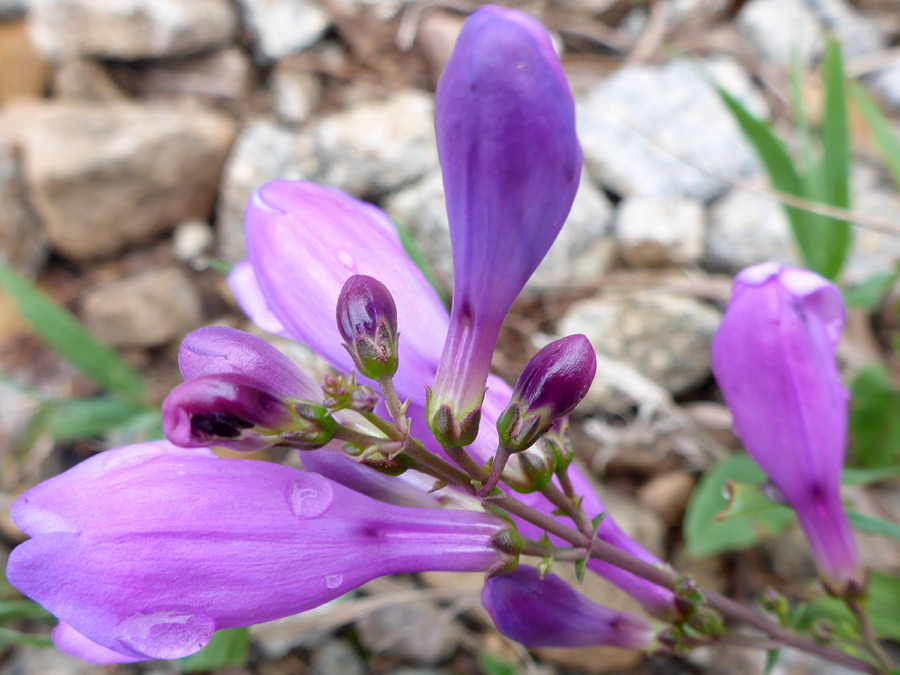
{"x":858,"y":36}
{"x":781,"y":30}
{"x":295,"y":92}
{"x":192,"y":238}
{"x":263,"y":151}
{"x":745,"y":229}
{"x":663,"y":336}
{"x":656,"y":232}
{"x":630,"y":145}
{"x":130,"y":29}
{"x":282,"y":27}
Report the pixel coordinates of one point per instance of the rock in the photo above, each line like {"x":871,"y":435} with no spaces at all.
{"x":148,"y":309}
{"x":668,"y":495}
{"x":295,"y":91}
{"x":86,"y":80}
{"x":858,"y":36}
{"x":337,"y":657}
{"x":413,"y":632}
{"x":23,"y":241}
{"x":263,"y":151}
{"x":130,"y":29}
{"x":282,"y":27}
{"x":275,"y":639}
{"x":224,"y":75}
{"x":656,"y":232}
{"x":781,"y":30}
{"x":24,"y":72}
{"x":104,"y":177}
{"x":192,"y":239}
{"x":745,"y":229}
{"x":661,"y":335}
{"x":618,"y":388}
{"x":874,"y":195}
{"x":13,"y":9}
{"x":628,"y":144}
{"x":375,"y":147}
{"x":436,"y":38}
{"x":884,"y":84}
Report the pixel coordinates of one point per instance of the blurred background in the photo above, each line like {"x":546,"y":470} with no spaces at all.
{"x":132,"y":133}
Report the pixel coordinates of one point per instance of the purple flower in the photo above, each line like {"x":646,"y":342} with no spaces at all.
{"x":367,"y":320}
{"x":146,"y":550}
{"x":549,"y":613}
{"x":774,"y":357}
{"x":511,"y":163}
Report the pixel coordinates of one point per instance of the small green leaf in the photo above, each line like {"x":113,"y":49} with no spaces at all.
{"x":883,"y":134}
{"x":596,"y":520}
{"x":23,"y":609}
{"x":880,"y":605}
{"x":226,"y":648}
{"x":745,"y":499}
{"x":580,"y":569}
{"x":874,"y":419}
{"x":491,"y":664}
{"x":873,"y":525}
{"x":14,"y":637}
{"x":772,"y":657}
{"x":869,"y":294}
{"x":704,"y":536}
{"x":65,"y":334}
{"x":868,"y":476}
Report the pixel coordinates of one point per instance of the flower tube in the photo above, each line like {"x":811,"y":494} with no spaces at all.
{"x":774,"y":358}
{"x":549,"y":613}
{"x":146,"y":550}
{"x":511,"y":163}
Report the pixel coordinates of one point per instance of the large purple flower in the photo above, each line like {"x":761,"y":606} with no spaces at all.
{"x":146,"y":550}
{"x":774,"y":357}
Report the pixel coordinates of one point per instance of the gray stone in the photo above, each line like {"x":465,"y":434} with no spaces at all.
{"x":858,"y":36}
{"x":295,"y":92}
{"x":663,"y":336}
{"x":781,"y":30}
{"x":656,"y":232}
{"x":618,"y":389}
{"x":85,"y":79}
{"x":337,"y":657}
{"x":104,"y":177}
{"x":263,"y":151}
{"x":745,"y":229}
{"x":413,"y":632}
{"x":224,"y":75}
{"x":13,"y":9}
{"x":282,"y":27}
{"x":130,"y":29}
{"x":375,"y":147}
{"x":635,"y":148}
{"x":275,"y":639}
{"x":147,"y":309}
{"x":23,"y":241}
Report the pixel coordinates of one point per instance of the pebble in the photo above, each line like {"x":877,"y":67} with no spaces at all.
{"x":663,"y":336}
{"x":23,"y":241}
{"x":295,"y":91}
{"x":282,"y":27}
{"x":263,"y":151}
{"x":130,"y":29}
{"x":147,"y":309}
{"x":107,"y":176}
{"x":616,"y":126}
{"x":781,"y":30}
{"x":192,"y":238}
{"x":413,"y":632}
{"x":337,"y":657}
{"x":654,"y":232}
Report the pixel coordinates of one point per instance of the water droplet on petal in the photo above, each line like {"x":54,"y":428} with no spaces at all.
{"x":346,"y":259}
{"x":167,"y":633}
{"x":333,"y":581}
{"x":309,"y":495}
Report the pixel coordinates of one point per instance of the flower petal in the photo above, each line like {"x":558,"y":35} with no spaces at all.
{"x":70,"y":641}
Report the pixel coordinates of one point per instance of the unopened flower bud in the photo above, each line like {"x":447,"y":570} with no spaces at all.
{"x":557,"y":442}
{"x":367,"y":320}
{"x":550,"y":386}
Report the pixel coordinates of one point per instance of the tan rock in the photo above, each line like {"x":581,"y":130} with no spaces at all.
{"x":104,"y":177}
{"x":668,"y":495}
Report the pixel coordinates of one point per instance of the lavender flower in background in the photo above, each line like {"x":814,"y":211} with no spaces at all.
{"x":146,"y":550}
{"x":774,"y":358}
{"x":549,"y":613}
{"x":511,"y":163}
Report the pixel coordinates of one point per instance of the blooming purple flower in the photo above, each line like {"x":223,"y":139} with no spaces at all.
{"x":774,"y":357}
{"x":505,"y":124}
{"x":549,"y":613}
{"x":146,"y":550}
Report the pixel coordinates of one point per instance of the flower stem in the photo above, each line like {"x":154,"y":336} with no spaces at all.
{"x":393,"y":404}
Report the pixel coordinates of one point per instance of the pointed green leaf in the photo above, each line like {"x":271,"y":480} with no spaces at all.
{"x":873,"y":525}
{"x":580,"y":569}
{"x":745,"y":499}
{"x":14,"y":637}
{"x":82,"y":418}
{"x":868,"y":476}
{"x":23,"y":609}
{"x":869,"y":294}
{"x":226,"y":649}
{"x":772,"y":657}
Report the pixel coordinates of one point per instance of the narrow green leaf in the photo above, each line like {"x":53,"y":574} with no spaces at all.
{"x":704,"y":536}
{"x":798,"y":111}
{"x":491,"y":664}
{"x":418,"y":257}
{"x":873,"y":525}
{"x":772,"y":657}
{"x":65,"y":334}
{"x":874,"y":419}
{"x":580,"y":569}
{"x":868,"y":476}
{"x":869,"y":294}
{"x":14,"y":637}
{"x":886,"y":139}
{"x":82,"y":418}
{"x":23,"y":609}
{"x":227,"y":648}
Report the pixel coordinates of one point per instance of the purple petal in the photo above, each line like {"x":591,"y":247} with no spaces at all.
{"x":550,"y":613}
{"x":70,"y":641}
{"x":147,"y":550}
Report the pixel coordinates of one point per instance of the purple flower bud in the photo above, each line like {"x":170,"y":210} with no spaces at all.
{"x":241,"y":412}
{"x":549,"y":613}
{"x":367,"y":320}
{"x":774,"y":358}
{"x":511,"y":163}
{"x":147,"y":550}
{"x":553,"y":382}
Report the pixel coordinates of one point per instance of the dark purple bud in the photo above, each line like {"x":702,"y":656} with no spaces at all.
{"x":238,"y":411}
{"x":550,"y":386}
{"x":367,"y":320}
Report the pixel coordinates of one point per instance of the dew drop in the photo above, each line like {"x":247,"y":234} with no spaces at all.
{"x":346,"y":259}
{"x":309,"y":495}
{"x":167,"y":633}
{"x":333,"y":581}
